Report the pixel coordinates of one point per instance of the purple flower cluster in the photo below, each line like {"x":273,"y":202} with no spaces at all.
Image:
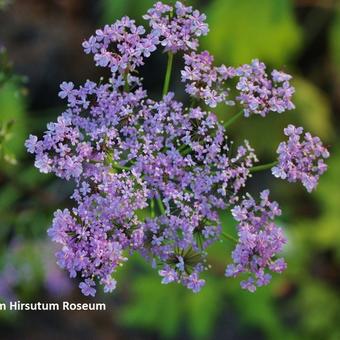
{"x":121,"y":46}
{"x":259,"y":241}
{"x":176,"y":28}
{"x":152,"y":176}
{"x":125,"y":155}
{"x":301,"y":158}
{"x":205,"y":81}
{"x":94,"y":234}
{"x":261,"y":95}
{"x":257,"y":94}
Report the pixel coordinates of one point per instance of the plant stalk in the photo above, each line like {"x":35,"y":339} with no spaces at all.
{"x":168,"y":74}
{"x":263,"y":167}
{"x":233,"y":119}
{"x":229,"y":237}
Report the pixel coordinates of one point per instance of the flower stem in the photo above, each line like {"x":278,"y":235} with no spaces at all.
{"x":182,"y":148}
{"x":120,"y":167}
{"x":168,"y":73}
{"x":263,"y":167}
{"x":160,"y":205}
{"x":152,"y":208}
{"x":233,"y":119}
{"x":229,"y":237}
{"x":126,"y":83}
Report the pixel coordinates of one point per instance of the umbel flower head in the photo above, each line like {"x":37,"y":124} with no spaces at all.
{"x":301,"y":160}
{"x":152,"y":176}
{"x":259,"y":241}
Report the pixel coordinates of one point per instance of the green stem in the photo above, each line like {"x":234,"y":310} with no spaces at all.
{"x":182,"y":148}
{"x":120,"y":167}
{"x":229,"y":237}
{"x":152,"y":208}
{"x":263,"y":167}
{"x":233,"y":119}
{"x":160,"y":205}
{"x":168,"y":73}
{"x":126,"y":83}
{"x":193,"y":103}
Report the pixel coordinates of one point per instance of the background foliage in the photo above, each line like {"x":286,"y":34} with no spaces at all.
{"x":43,"y":48}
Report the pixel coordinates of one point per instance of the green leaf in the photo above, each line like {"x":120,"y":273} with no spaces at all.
{"x":203,"y":309}
{"x":319,"y":323}
{"x":13,"y":110}
{"x":8,"y":196}
{"x":313,"y":109}
{"x":258,"y":310}
{"x":248,"y":29}
{"x":326,"y":228}
{"x":155,"y":306}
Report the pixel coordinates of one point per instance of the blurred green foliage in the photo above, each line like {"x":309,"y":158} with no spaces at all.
{"x":26,"y":200}
{"x":334,"y":38}
{"x":313,"y":109}
{"x":171,"y":307}
{"x":12,"y":111}
{"x":244,"y":30}
{"x":4,"y":3}
{"x":12,"y":119}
